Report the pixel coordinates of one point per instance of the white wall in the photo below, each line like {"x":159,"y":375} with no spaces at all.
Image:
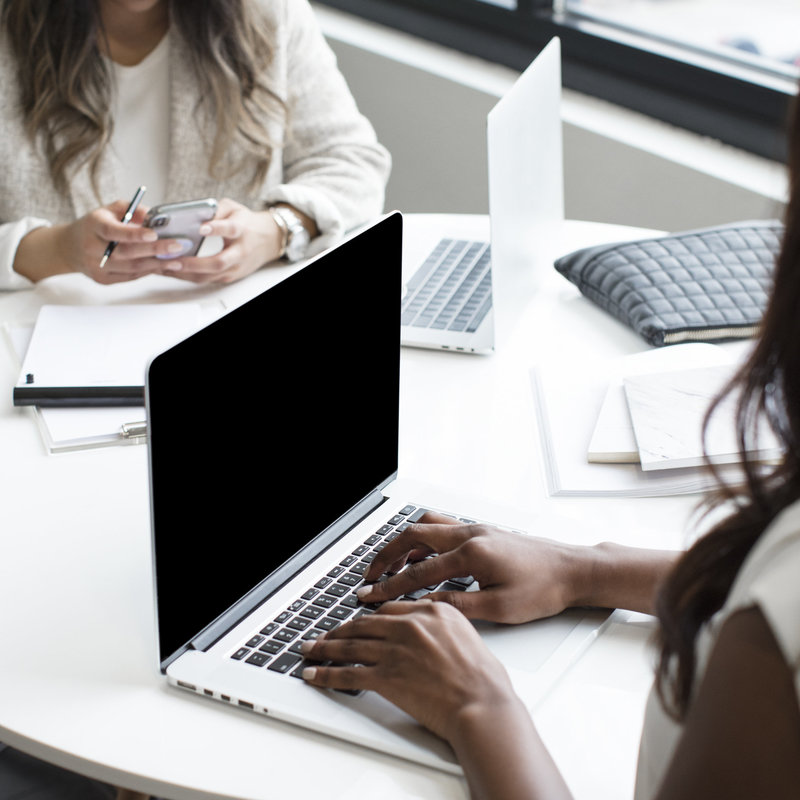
{"x":429,"y":105}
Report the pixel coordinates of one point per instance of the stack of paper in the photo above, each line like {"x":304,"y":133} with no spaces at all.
{"x":588,"y":438}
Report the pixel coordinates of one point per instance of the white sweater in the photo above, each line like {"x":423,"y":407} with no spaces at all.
{"x":330,"y":166}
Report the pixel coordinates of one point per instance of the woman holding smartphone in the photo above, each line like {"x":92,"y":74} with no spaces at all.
{"x":237,"y":100}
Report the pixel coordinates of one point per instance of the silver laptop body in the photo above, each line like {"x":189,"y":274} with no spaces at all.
{"x":449,"y":301}
{"x":273,"y":474}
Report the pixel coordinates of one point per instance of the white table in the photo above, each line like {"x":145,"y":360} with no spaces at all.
{"x":79,"y":684}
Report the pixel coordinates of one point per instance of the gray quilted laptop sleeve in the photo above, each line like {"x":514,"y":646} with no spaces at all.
{"x":704,"y":285}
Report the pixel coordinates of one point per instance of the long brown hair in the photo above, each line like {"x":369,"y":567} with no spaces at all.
{"x":769,"y":389}
{"x":65,"y":86}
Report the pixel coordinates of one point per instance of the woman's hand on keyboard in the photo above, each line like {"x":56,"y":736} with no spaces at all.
{"x":428,"y":660}
{"x":425,"y":658}
{"x":520,"y":577}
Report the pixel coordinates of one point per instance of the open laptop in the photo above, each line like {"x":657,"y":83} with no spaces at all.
{"x":450,"y":300}
{"x":273,"y":476}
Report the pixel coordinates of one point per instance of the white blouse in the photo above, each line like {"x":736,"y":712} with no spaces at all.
{"x":769,"y":579}
{"x":140,"y":110}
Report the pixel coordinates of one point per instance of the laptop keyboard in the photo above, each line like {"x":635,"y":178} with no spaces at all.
{"x":328,"y":603}
{"x":452,"y":290}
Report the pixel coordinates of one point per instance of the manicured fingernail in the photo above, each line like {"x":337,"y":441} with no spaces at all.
{"x":173,"y":266}
{"x":309,"y":673}
{"x":204,"y":230}
{"x":363,"y":591}
{"x":149,"y":236}
{"x":305,"y":647}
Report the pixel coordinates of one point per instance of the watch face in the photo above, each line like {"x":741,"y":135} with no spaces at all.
{"x":296,"y":250}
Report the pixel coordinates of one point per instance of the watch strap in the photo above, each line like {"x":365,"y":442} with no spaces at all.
{"x":296,"y":238}
{"x":282,"y":227}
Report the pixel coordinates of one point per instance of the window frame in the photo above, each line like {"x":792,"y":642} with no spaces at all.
{"x":722,"y":98}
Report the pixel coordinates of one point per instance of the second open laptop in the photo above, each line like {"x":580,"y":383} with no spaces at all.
{"x":273,"y":476}
{"x":451,"y":301}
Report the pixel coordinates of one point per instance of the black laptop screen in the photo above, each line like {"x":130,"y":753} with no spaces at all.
{"x":269,"y":424}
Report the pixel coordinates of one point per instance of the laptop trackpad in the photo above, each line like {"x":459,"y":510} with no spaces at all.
{"x":536,"y":654}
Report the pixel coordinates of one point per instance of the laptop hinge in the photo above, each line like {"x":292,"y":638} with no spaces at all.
{"x":217,"y":629}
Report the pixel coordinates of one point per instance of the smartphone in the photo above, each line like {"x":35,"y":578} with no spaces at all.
{"x":181,"y":221}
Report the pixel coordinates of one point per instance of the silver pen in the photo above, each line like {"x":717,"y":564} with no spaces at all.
{"x":133,"y":430}
{"x":126,"y":218}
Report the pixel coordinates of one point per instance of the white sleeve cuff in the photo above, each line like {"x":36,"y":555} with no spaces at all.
{"x":11,"y":234}
{"x":314,"y":204}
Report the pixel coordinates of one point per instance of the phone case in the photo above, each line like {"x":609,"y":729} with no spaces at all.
{"x":181,"y":221}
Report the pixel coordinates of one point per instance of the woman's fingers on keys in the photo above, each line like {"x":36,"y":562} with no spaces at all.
{"x":418,"y":539}
{"x":356,"y":648}
{"x":354,"y":645}
{"x":416,"y":576}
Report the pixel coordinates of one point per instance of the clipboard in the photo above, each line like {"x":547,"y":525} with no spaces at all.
{"x":97,"y":355}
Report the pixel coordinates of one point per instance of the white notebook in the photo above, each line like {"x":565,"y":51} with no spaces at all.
{"x":68,"y":429}
{"x":100,"y":346}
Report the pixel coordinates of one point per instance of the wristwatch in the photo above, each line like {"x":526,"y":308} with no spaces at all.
{"x":295,"y":236}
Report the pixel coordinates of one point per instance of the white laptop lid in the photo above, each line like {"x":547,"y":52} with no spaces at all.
{"x":526,"y":202}
{"x":526,"y":185}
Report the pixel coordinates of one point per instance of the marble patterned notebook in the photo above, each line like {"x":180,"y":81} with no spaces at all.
{"x":667,"y":411}
{"x":613,"y":439}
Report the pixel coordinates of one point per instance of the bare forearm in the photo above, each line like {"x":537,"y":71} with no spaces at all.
{"x":41,"y":254}
{"x":610,"y":575}
{"x":505,"y":759}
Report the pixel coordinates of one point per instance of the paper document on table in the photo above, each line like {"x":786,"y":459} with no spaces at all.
{"x":667,"y":410}
{"x":68,"y":429}
{"x":81,"y":355}
{"x":568,"y":402}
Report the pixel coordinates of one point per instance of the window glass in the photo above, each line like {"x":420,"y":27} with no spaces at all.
{"x":762,"y":33}
{"x":726,"y":69}
{"x":512,"y":4}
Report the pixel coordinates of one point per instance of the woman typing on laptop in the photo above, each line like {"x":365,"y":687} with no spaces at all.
{"x":723,"y":719}
{"x":237,"y":101}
